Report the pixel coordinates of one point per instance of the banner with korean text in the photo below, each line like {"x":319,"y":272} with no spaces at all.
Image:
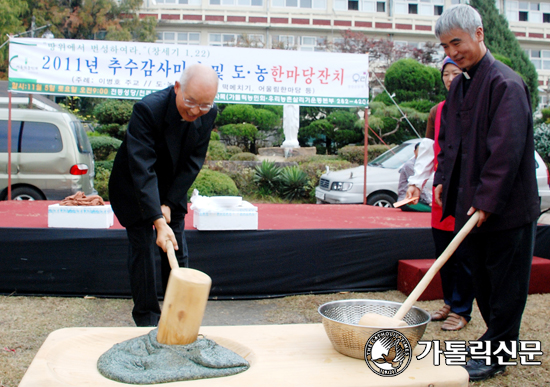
{"x":93,"y":68}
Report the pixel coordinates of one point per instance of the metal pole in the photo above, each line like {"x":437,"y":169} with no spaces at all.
{"x":9,"y":145}
{"x":366,"y":156}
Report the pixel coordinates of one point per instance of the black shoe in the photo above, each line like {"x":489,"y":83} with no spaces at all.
{"x":478,"y":370}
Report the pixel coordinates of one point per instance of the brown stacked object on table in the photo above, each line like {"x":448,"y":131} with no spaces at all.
{"x":80,"y":199}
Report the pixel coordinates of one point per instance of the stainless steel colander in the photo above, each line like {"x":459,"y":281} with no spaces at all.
{"x":340,"y":320}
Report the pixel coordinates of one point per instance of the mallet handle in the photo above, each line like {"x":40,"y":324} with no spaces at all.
{"x":171,"y":255}
{"x":430,"y":274}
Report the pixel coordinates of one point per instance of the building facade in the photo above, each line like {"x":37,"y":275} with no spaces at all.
{"x":317,"y":25}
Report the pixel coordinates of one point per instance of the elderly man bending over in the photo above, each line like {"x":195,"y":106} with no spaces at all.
{"x":160,"y":157}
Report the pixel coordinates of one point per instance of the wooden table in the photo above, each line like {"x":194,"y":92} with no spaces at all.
{"x":279,"y":355}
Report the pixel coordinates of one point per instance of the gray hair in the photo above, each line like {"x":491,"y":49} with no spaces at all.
{"x":199,"y":70}
{"x":461,"y":16}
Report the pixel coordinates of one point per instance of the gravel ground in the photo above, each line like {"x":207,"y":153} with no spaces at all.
{"x":25,"y":322}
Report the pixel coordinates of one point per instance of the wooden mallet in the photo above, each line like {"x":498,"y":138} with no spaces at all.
{"x":184,"y":303}
{"x":377,"y":320}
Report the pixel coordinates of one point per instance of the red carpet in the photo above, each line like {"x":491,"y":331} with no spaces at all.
{"x":34,"y":214}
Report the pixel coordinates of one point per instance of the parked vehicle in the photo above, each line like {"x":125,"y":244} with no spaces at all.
{"x":346,"y":186}
{"x":543,"y":182}
{"x":51,"y":155}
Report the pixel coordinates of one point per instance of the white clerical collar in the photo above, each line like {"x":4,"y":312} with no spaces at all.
{"x":466,"y":75}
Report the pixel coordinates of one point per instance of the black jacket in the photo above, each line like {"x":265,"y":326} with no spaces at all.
{"x":159,"y":159}
{"x":487,"y":158}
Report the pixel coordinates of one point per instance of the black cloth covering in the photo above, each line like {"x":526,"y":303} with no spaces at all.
{"x":242,"y":264}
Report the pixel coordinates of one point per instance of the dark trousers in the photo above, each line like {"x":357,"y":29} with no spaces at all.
{"x":456,"y":276}
{"x":501,"y":267}
{"x":142,"y":267}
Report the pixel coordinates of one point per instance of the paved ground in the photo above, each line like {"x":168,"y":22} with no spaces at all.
{"x":248,"y":312}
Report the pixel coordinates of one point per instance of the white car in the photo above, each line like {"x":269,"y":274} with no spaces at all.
{"x":543,"y":181}
{"x":346,"y":186}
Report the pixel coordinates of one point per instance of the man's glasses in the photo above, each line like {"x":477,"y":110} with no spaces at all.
{"x":205,"y":107}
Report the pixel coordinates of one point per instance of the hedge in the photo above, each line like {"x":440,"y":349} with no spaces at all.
{"x":243,"y":156}
{"x":213,"y":183}
{"x":103,"y":146}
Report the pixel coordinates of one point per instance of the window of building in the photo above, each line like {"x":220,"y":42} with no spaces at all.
{"x":251,"y":40}
{"x":422,"y":7}
{"x":236,"y":40}
{"x":540,"y":59}
{"x":286,"y":42}
{"x":313,"y":43}
{"x":315,"y":4}
{"x":523,"y":16}
{"x":524,"y":11}
{"x":546,"y":17}
{"x":188,"y":2}
{"x":359,"y":5}
{"x":241,"y":3}
{"x":190,"y":38}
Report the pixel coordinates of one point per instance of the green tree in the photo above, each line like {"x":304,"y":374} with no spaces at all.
{"x":391,"y":126}
{"x":335,"y":131}
{"x":235,"y":114}
{"x":10,"y":23}
{"x":410,"y":80}
{"x":499,"y":39}
{"x":242,"y":135}
{"x":93,"y":19}
{"x":239,"y":119}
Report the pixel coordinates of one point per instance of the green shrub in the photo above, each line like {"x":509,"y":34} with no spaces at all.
{"x":114,"y":111}
{"x":103,"y":146}
{"x":214,"y":136}
{"x":247,"y":131}
{"x":382,"y":98}
{"x":352,"y":153}
{"x":546,"y":115}
{"x":503,"y":59}
{"x":108,"y":129}
{"x":93,"y":134}
{"x":101,"y":182}
{"x":266,"y":120}
{"x":377,"y":150}
{"x":355,"y":154}
{"x":315,"y":169}
{"x":236,"y":114}
{"x":312,"y":158}
{"x":421,"y":105}
{"x":213,"y":183}
{"x":242,"y":175}
{"x":233,"y":150}
{"x":266,"y":175}
{"x":113,"y":130}
{"x":243,"y":156}
{"x":293,"y":183}
{"x":542,"y":141}
{"x":104,"y":164}
{"x":216,"y":151}
{"x":409,"y":80}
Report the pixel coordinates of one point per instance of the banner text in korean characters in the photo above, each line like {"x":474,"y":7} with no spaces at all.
{"x":133,"y":70}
